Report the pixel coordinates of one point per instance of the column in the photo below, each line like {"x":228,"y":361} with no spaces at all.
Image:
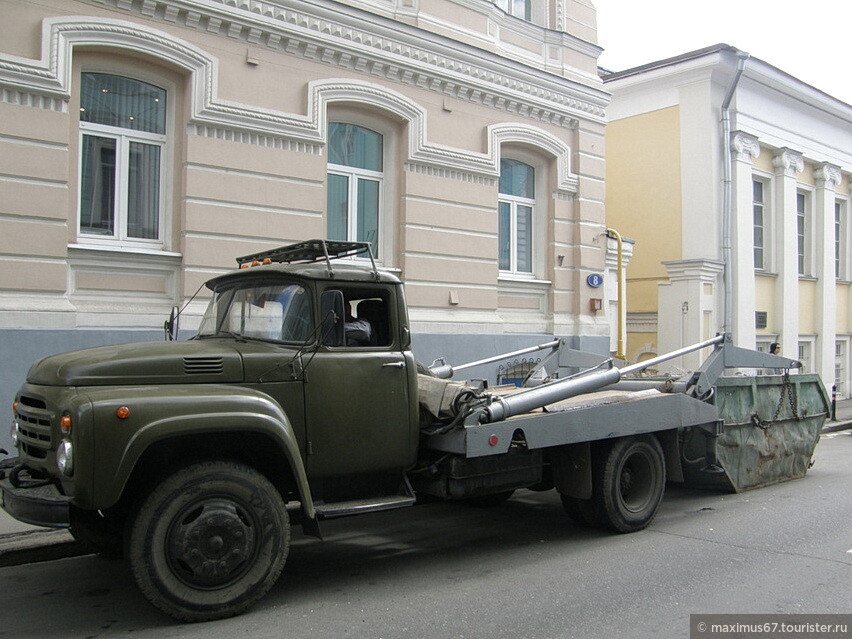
{"x":744,"y":150}
{"x":788,"y":164}
{"x":827,"y":180}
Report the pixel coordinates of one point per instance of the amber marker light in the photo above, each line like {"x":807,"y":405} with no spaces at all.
{"x":15,"y":407}
{"x":123,"y":412}
{"x":65,"y":424}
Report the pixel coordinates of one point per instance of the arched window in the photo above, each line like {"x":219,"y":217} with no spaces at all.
{"x":355,"y":176}
{"x":516,"y":209}
{"x":122,"y":142}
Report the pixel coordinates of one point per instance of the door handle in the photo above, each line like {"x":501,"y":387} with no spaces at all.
{"x":394,"y":365}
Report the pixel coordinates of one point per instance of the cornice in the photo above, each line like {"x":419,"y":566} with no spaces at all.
{"x":50,"y":80}
{"x":319,"y":31}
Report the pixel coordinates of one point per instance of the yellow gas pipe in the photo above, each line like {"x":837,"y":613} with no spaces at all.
{"x":620,"y":288}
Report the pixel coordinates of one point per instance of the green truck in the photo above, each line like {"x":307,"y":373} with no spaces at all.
{"x":299,"y":399}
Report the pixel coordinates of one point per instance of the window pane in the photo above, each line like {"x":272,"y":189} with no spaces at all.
{"x":758,"y":191}
{"x":351,"y":145}
{"x":521,"y":9}
{"x":517,"y":178}
{"x":368,"y":213}
{"x":143,"y":192}
{"x":524,"y":239}
{"x":337,"y":206}
{"x":504,"y":235}
{"x":123,"y":102}
{"x":97,"y":186}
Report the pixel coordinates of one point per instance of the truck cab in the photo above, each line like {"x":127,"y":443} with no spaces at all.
{"x":274,"y":382}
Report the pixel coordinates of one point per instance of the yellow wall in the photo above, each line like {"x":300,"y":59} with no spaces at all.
{"x":643,"y":197}
{"x":807,"y":304}
{"x":764,"y":300}
{"x":842,"y":309}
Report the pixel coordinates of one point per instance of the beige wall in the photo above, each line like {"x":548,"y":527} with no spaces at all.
{"x":246,"y":167}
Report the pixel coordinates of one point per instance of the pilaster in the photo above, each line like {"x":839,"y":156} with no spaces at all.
{"x":744,"y":151}
{"x":788,"y":164}
{"x":827,"y":177}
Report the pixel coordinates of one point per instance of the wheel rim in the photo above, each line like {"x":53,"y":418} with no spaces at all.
{"x":212,"y":543}
{"x":637,"y":481}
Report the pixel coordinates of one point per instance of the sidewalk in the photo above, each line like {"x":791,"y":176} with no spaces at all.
{"x":22,"y":544}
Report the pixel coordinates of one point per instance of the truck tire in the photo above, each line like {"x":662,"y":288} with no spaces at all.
{"x":628,"y":483}
{"x":209,"y":541}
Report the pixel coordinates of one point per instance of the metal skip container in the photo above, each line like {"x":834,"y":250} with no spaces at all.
{"x":770,"y":428}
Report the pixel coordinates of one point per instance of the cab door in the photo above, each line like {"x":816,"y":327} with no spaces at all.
{"x":359,"y":404}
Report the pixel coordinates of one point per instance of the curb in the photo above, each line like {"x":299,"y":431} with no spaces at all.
{"x":833,"y":427}
{"x":38,"y":545}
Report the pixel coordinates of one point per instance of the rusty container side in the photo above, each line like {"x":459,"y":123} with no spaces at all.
{"x":771,"y":428}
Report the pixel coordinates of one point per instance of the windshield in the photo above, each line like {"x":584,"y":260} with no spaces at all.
{"x":279,"y":312}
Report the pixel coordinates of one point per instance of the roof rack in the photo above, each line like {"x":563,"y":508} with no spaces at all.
{"x":311,"y":251}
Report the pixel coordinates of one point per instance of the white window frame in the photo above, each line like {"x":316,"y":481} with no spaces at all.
{"x":124,"y":137}
{"x":841,"y":239}
{"x":509,"y":7}
{"x":514,"y":202}
{"x":385,"y":245}
{"x":806,"y":352}
{"x":353,"y":174}
{"x":804,"y":240}
{"x":841,"y":366}
{"x":764,"y":225}
{"x":536,"y":222}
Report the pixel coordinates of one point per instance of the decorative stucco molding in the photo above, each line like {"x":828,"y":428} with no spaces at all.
{"x":745,"y":147}
{"x":788,"y":162}
{"x":47,"y":83}
{"x":499,"y":134}
{"x":318,"y":32}
{"x":828,"y":176}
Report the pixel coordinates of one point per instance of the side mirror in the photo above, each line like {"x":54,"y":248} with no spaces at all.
{"x":333,"y":318}
{"x":172,"y":325}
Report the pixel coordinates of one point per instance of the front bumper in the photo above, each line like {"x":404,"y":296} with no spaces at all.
{"x":39,"y":505}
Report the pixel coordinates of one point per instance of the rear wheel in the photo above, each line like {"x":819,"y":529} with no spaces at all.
{"x":629,"y":480}
{"x":209,"y":541}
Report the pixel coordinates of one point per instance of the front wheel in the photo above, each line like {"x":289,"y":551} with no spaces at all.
{"x":209,"y":541}
{"x":629,"y":481}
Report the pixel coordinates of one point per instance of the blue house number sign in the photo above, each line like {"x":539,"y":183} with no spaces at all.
{"x":594,"y":280}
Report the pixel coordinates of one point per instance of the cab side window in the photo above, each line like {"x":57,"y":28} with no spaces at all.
{"x":367,"y":322}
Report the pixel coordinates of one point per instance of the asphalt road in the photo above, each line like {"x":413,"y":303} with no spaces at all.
{"x":521,"y":570}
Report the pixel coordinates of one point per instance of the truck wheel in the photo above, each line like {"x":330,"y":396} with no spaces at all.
{"x":629,"y":480}
{"x":209,"y":541}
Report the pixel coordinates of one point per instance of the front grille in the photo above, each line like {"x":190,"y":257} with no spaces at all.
{"x":203,"y":365}
{"x":34,"y":426}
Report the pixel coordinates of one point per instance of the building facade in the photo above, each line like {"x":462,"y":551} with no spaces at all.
{"x":148,"y":143}
{"x":733,"y":178}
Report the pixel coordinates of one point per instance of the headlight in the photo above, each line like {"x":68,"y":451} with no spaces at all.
{"x":65,"y":457}
{"x":15,"y":433}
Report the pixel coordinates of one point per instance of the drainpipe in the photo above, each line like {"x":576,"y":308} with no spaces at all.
{"x":620,"y":290}
{"x":727,"y":198}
